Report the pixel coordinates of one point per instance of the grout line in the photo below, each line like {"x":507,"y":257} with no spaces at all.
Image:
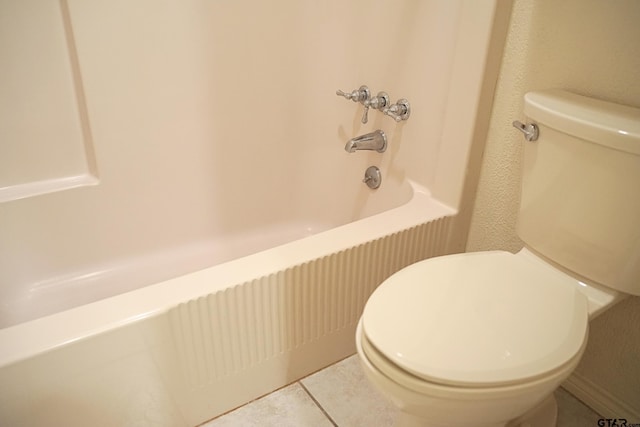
{"x":325,"y":367}
{"x":326,"y":414}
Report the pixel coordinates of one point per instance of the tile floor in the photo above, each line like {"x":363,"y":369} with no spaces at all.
{"x":341,"y":396}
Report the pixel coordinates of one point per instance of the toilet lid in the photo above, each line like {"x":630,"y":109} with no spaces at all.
{"x":477,"y":319}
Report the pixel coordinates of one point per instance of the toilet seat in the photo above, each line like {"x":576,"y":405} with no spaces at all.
{"x":513,"y":320}
{"x":380,"y":363}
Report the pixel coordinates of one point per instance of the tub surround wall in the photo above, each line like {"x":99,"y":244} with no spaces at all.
{"x":40,"y":82}
{"x":206,"y":121}
{"x":590,"y":48}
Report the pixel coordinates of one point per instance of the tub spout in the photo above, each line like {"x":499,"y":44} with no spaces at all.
{"x":376,"y":140}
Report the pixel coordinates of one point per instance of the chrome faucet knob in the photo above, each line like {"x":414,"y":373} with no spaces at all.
{"x":378,"y":102}
{"x":392,"y":114}
{"x":398,"y":111}
{"x":357,"y":95}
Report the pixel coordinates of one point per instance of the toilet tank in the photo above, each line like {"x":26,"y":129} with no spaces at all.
{"x":580,"y":202}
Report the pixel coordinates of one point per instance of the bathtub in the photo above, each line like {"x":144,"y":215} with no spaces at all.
{"x":185,"y":350}
{"x":226,"y":245}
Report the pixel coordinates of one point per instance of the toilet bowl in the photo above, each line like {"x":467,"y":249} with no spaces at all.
{"x":483,"y":339}
{"x":427,"y":404}
{"x":473,"y":339}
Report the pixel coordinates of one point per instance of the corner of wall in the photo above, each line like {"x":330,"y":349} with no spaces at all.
{"x":466,"y":123}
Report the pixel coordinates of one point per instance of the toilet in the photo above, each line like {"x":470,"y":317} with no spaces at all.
{"x":483,"y":339}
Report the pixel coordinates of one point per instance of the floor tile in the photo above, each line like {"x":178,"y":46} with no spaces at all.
{"x":349,"y":400}
{"x":288,"y":407}
{"x":347,"y":396}
{"x":572,"y":412}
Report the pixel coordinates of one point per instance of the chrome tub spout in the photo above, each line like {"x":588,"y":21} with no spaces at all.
{"x":376,"y":140}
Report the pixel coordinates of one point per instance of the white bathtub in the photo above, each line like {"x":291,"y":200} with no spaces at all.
{"x":188,"y":349}
{"x":267,"y":226}
{"x":224,"y":245}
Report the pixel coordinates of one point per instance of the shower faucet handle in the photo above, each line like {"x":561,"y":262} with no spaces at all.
{"x":356,"y":95}
{"x":378,"y":102}
{"x":399,"y":111}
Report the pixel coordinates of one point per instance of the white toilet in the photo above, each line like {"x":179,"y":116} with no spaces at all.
{"x":483,"y":339}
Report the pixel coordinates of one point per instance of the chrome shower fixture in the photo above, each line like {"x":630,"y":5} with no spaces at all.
{"x":398,"y":111}
{"x":372,"y":177}
{"x":372,"y":141}
{"x":378,"y":102}
{"x":356,"y":95}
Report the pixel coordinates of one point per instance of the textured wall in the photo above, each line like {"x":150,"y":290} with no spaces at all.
{"x":593,"y":48}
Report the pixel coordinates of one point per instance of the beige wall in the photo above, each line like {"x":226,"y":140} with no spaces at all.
{"x":591,"y":47}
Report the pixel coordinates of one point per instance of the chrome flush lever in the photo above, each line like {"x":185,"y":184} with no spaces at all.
{"x":530,"y":130}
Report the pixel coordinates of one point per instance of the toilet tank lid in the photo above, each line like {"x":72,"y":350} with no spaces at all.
{"x":606,"y":123}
